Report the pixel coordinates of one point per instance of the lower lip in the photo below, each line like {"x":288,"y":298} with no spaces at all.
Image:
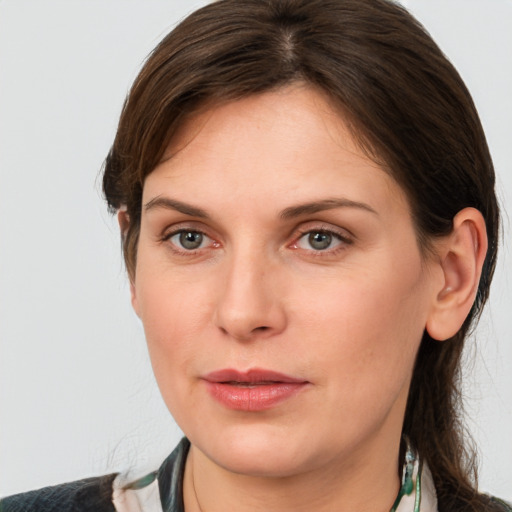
{"x":258,"y":397}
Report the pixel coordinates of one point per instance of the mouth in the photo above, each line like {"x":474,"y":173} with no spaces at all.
{"x":254,"y":390}
{"x":250,"y":384}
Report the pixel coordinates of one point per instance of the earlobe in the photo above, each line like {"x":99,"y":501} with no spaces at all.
{"x":133,"y":297}
{"x":462,"y":255}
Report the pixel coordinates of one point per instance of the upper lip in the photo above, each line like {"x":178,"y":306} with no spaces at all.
{"x":254,"y":375}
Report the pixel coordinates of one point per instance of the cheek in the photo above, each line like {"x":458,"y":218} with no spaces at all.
{"x":174,"y":314}
{"x":173,"y":320}
{"x":366,"y":331}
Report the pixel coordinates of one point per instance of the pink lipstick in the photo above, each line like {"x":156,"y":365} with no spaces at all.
{"x":252,"y":391}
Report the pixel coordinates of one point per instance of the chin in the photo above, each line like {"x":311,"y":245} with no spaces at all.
{"x":259,"y":452}
{"x":259,"y":463}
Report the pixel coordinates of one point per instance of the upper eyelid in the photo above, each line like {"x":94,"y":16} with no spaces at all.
{"x":324,"y":227}
{"x":326,"y":231}
{"x":179,"y":227}
{"x":334,"y":231}
{"x":170,"y":234}
{"x":343,"y":240}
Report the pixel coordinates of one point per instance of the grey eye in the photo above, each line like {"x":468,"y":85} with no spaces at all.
{"x":189,"y":240}
{"x":319,"y":240}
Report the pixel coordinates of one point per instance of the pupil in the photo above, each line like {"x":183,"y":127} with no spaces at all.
{"x":320,"y":241}
{"x":191,"y":239}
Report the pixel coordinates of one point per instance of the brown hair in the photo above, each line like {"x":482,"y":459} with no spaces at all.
{"x":408,"y":108}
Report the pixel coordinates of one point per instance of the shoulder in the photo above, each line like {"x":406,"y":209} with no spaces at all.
{"x":500,"y":505}
{"x":481,"y":502}
{"x":88,"y":495}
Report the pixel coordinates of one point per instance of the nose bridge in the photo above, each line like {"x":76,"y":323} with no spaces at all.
{"x":249,"y":302}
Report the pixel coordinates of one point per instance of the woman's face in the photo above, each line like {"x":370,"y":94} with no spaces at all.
{"x":281,"y":288}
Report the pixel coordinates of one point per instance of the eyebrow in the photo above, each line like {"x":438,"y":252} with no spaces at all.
{"x":325,"y":204}
{"x":173,"y":204}
{"x":288,"y":213}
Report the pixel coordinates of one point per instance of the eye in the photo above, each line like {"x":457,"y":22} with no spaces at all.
{"x":189,"y":240}
{"x":320,"y":240}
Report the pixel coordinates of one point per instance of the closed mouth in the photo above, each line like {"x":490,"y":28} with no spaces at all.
{"x":255,"y":376}
{"x":252,"y":391}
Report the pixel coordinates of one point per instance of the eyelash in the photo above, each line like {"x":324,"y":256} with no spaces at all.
{"x":343,"y":240}
{"x":182,"y":251}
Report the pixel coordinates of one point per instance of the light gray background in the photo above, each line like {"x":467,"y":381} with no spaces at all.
{"x":77,"y":397}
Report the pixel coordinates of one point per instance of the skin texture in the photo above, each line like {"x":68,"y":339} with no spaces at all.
{"x":347,"y":319}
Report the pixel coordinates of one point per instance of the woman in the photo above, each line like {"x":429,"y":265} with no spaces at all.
{"x":306,"y":201}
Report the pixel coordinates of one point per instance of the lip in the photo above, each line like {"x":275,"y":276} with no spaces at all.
{"x":251,"y":391}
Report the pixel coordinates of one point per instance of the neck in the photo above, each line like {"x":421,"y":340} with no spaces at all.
{"x":369,"y":482}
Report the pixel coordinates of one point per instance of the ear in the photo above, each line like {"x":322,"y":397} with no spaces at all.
{"x":461,"y":257}
{"x":123,"y":218}
{"x":124,"y":223}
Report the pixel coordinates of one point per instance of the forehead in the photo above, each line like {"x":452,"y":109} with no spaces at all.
{"x":298,"y":103}
{"x":289,"y":144}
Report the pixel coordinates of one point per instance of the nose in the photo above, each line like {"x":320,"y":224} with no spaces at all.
{"x":250,"y":302}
